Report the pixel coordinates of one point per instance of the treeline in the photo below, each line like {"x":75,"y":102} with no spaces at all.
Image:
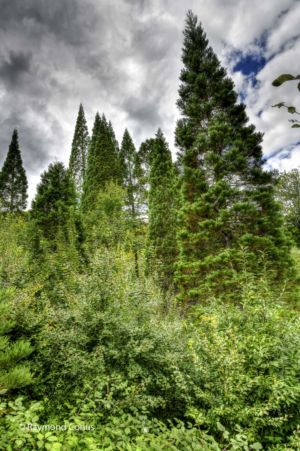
{"x":148,"y":299}
{"x":206,"y":217}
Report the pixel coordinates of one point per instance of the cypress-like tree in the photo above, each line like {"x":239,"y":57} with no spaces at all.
{"x":113,"y":136}
{"x":13,"y":181}
{"x":161,"y":234}
{"x":130,"y":167}
{"x":103,"y":163}
{"x":53,"y":206}
{"x":78,"y":157}
{"x":131,"y":178}
{"x":229,"y":220}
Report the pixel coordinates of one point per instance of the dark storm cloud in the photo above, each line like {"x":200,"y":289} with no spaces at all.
{"x":146,"y":113}
{"x":14,"y":68}
{"x":63,"y":18}
{"x":120,"y":57}
{"x":114,"y":56}
{"x":30,"y":29}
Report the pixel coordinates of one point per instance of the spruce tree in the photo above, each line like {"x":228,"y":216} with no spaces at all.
{"x":161,"y":234}
{"x":130,"y":171}
{"x":228,"y":220}
{"x":13,"y":181}
{"x":103,"y":163}
{"x":131,"y":178}
{"x":113,"y":136}
{"x":53,"y":206}
{"x":78,"y":157}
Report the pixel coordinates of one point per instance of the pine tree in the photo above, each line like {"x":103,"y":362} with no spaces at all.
{"x":113,"y":136}
{"x":56,"y":235}
{"x":161,"y":234}
{"x":78,"y":157}
{"x":14,"y":372}
{"x":228,"y":218}
{"x":13,"y":181}
{"x":103,"y":163}
{"x":130,"y":170}
{"x":131,"y":177}
{"x":54,"y":206}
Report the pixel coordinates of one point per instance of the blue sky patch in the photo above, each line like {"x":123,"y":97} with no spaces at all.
{"x":250,"y":64}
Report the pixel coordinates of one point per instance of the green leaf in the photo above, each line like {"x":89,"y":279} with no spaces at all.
{"x":282,"y":79}
{"x":298,"y":86}
{"x":56,"y":446}
{"x":256,"y":446}
{"x":220,"y":427}
{"x":291,"y":109}
{"x":296,"y":126}
{"x":52,"y":438}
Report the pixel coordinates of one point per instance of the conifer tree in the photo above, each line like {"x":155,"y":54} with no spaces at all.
{"x":103,"y":163}
{"x":228,"y":218}
{"x":130,"y":170}
{"x":78,"y":157}
{"x":13,"y":181}
{"x":53,"y":206}
{"x":131,"y":177}
{"x":113,"y":136}
{"x":161,"y":234}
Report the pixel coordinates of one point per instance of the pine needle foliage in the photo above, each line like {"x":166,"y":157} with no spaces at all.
{"x":227,"y":196}
{"x":161,"y":233}
{"x":78,"y":157}
{"x":103,"y":163}
{"x":13,"y":180}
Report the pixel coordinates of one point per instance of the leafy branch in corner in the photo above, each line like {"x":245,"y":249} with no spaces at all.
{"x":291,"y":109}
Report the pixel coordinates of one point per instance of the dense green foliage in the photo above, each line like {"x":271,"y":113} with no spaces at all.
{"x":13,"y":372}
{"x":97,"y":349}
{"x":79,"y":151}
{"x":288,"y":194}
{"x":227,"y":197}
{"x":130,"y":167}
{"x":103,"y":163}
{"x":13,"y":181}
{"x":53,"y":207}
{"x":162,"y":201}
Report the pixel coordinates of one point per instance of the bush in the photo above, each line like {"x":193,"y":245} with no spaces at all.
{"x":247,"y":366}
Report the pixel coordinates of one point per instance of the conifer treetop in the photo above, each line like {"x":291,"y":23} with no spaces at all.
{"x":78,"y":157}
{"x":13,"y":180}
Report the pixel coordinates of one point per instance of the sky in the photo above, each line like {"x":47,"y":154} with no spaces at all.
{"x":123,"y":58}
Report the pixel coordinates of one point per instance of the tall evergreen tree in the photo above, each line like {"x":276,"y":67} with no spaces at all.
{"x":53,"y":206}
{"x":103,"y":163}
{"x":131,"y":177}
{"x":113,"y":136}
{"x":78,"y":157}
{"x":13,"y":180}
{"x":228,"y":204}
{"x":161,"y":234}
{"x":130,"y":167}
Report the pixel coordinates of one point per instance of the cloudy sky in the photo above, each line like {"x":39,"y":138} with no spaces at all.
{"x":122,"y":57}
